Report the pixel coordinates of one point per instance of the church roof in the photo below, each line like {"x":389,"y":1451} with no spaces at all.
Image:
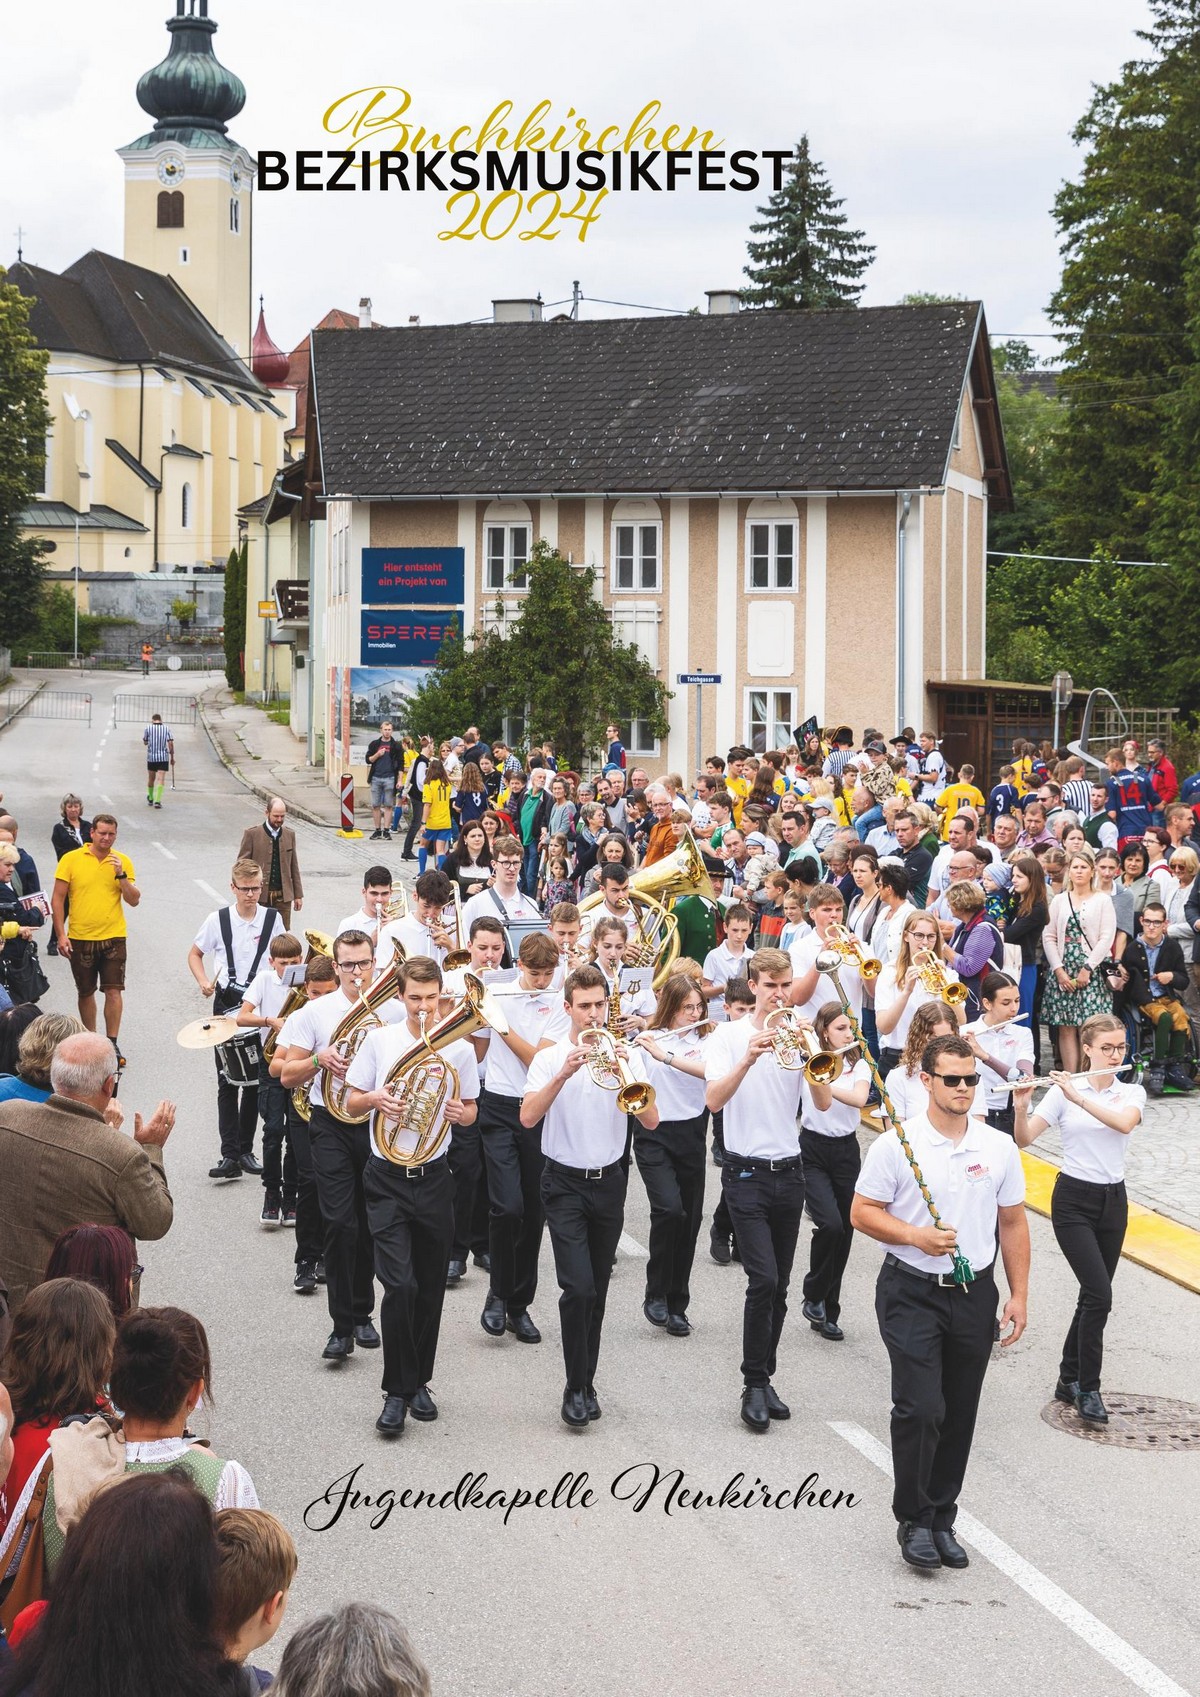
{"x":109,"y":309}
{"x":190,"y":93}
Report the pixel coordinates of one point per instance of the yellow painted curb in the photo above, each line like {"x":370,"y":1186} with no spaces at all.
{"x":1151,"y":1240}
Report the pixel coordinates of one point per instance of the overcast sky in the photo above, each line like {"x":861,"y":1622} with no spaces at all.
{"x":945,"y":127}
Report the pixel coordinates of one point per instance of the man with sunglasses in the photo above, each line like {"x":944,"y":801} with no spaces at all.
{"x":938,"y":1334}
{"x":339,"y":1151}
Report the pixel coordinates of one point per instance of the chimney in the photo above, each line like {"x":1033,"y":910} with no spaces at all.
{"x":364,"y":313}
{"x":724,"y":300}
{"x":517,"y":311}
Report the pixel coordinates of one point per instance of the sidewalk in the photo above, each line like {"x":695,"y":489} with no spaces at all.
{"x":267,"y":758}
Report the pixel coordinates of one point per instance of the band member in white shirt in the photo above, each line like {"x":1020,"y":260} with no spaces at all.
{"x":1094,"y":1117}
{"x":410,"y":1209}
{"x":422,"y":931}
{"x":584,"y":1181}
{"x":632,"y":985}
{"x":320,"y":979}
{"x":512,"y":1152}
{"x":260,"y":1011}
{"x":377,"y":893}
{"x":899,"y":990}
{"x":729,"y":959}
{"x":904,"y":1083}
{"x":939,"y":1333}
{"x":829,"y":1116}
{"x":762,"y":1179}
{"x":503,"y":899}
{"x":672,"y":1158}
{"x":1003,"y":1048}
{"x":809,"y":989}
{"x":614,"y":888}
{"x":339,"y":1151}
{"x":565,"y":927}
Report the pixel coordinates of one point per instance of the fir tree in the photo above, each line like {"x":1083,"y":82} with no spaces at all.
{"x":235,"y":618}
{"x":807,"y":258}
{"x":24,"y":421}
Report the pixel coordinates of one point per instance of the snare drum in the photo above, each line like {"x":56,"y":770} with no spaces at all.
{"x":239,"y":1059}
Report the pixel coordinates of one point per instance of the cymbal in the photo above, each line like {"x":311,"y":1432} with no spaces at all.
{"x":206,"y":1033}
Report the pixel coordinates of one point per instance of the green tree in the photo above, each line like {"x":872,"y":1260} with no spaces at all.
{"x":927,"y":297}
{"x":1175,"y":528}
{"x":24,"y":423}
{"x":235,"y":619}
{"x":55,"y":628}
{"x":1127,"y":226}
{"x":807,"y":257}
{"x":559,"y":667}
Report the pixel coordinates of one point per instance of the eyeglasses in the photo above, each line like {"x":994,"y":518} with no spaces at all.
{"x":1178,"y":866}
{"x":957,"y":1080}
{"x":247,"y":889}
{"x":505,"y":860}
{"x":354,"y":966}
{"x":1117,"y":1049}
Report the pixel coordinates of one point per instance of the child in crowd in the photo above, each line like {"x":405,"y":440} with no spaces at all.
{"x":793,"y":916}
{"x":957,"y":796}
{"x":256,"y":1563}
{"x":556,"y":886}
{"x":1004,"y":797}
{"x":770,"y":912}
{"x":730,"y":958}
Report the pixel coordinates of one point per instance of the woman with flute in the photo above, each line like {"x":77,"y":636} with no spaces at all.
{"x":1001,"y":1044}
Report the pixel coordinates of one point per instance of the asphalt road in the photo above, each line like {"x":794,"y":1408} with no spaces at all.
{"x":1084,"y":1557}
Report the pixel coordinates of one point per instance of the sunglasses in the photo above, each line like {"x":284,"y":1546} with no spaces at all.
{"x":957,"y":1080}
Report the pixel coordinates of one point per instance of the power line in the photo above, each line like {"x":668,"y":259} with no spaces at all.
{"x":1065,"y":559}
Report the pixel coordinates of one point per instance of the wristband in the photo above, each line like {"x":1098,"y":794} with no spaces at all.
{"x":315,"y":1061}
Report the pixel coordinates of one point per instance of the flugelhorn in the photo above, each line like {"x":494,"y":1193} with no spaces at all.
{"x":850,"y":948}
{"x":933,"y":975}
{"x":608,"y":1064}
{"x":797,"y":1048}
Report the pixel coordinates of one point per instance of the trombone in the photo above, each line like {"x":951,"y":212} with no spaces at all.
{"x":608,"y":1065}
{"x":934,"y":977}
{"x":851,"y":949}
{"x":797,"y":1048}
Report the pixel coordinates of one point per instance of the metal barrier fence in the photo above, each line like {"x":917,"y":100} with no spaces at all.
{"x":46,"y":660}
{"x":130,"y":707}
{"x":47,"y":704}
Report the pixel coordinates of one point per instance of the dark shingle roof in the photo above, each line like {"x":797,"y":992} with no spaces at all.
{"x":749,"y":401}
{"x":58,"y":515}
{"x":116,"y":311}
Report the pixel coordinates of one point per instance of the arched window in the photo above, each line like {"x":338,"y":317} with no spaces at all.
{"x":185,"y":507}
{"x":170,"y":209}
{"x":235,"y":216}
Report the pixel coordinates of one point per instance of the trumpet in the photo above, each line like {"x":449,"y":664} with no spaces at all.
{"x":797,"y":1048}
{"x":459,"y":955}
{"x":851,"y":949}
{"x":934,"y":977}
{"x":608,"y":1064}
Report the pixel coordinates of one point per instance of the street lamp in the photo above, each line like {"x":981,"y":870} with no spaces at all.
{"x":1062,"y":685}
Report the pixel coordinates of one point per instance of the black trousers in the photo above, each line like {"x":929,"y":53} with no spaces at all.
{"x":765,"y":1209}
{"x":939,"y":1338}
{"x":1089,"y":1222}
{"x":466,"y":1163}
{"x":889,"y":1059}
{"x":412,"y":1222}
{"x":1003,"y":1119}
{"x":585,"y":1217}
{"x":513,"y":1154}
{"x":340,"y":1153}
{"x":672,"y":1160}
{"x":414,"y":825}
{"x":237,"y":1117}
{"x":278,"y":1157}
{"x":831,"y":1167}
{"x":310,"y":1227}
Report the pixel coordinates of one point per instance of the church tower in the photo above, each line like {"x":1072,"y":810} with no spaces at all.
{"x":188,"y":208}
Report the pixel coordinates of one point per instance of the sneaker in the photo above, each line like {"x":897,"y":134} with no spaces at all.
{"x":387,"y":836}
{"x":270,"y":1209}
{"x":319,"y":1273}
{"x":375,"y":836}
{"x":158,"y":804}
{"x":305,"y":1282}
{"x":289,"y":1216}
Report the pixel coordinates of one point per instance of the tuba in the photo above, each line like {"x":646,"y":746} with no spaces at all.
{"x":934,"y":978}
{"x":348,"y":1034}
{"x":652,"y":891}
{"x":797,"y":1048}
{"x":851,"y":949}
{"x":421,"y":1082}
{"x":607,"y":1063}
{"x":319,"y":943}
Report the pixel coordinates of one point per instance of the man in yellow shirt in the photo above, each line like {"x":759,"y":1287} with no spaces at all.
{"x":737,"y":785}
{"x":957,"y":796}
{"x":98,"y":882}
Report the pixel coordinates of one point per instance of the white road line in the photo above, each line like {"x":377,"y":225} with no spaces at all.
{"x":167,"y":852}
{"x":108,"y":800}
{"x":208,"y":890}
{"x":1035,"y":1584}
{"x":631,"y":1246}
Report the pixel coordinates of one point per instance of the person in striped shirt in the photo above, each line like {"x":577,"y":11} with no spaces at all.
{"x":160,"y":753}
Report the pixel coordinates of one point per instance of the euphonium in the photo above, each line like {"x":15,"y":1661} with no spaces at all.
{"x":348,"y":1034}
{"x":933,"y":976}
{"x":421,"y":1082}
{"x":797,"y":1048}
{"x":850,"y":948}
{"x":608,"y":1064}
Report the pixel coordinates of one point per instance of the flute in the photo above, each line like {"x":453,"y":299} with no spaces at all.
{"x":1070,"y":1077}
{"x":982,"y":1025}
{"x":675,"y":1030}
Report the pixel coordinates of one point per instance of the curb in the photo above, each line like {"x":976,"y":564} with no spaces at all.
{"x":248,"y":783}
{"x":17,"y":711}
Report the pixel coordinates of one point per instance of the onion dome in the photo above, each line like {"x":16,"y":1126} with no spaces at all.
{"x":268,"y":362}
{"x":190,"y":90}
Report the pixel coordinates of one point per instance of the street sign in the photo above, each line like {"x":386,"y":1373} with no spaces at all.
{"x":698,"y":678}
{"x":266,"y":609}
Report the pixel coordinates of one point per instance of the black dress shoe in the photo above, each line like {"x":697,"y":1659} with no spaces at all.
{"x":305,"y":1282}
{"x":679,"y":1326}
{"x":831,"y":1330}
{"x":454,"y":1272}
{"x":492,"y":1318}
{"x":227,"y":1167}
{"x":391,"y":1421}
{"x":917,"y":1545}
{"x":755,"y":1411}
{"x":484,"y":1261}
{"x":337,"y":1349}
{"x":814,"y":1313}
{"x":776,"y":1407}
{"x":422,"y":1406}
{"x":366,"y":1335}
{"x":949,"y":1548}
{"x":1090,"y":1408}
{"x":574,"y":1408}
{"x":718,"y":1248}
{"x":655,"y":1310}
{"x":594,"y":1410}
{"x":523,"y":1328}
{"x":251,"y":1163}
{"x":1066,"y":1390}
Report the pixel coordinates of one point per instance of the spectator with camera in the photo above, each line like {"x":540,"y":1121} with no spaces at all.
{"x":1153,"y":977}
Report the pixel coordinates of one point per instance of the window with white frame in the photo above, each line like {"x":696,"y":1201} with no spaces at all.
{"x":506,"y":550}
{"x":638,"y":738}
{"x":637,"y":552}
{"x":770,"y":715}
{"x":771,"y":555}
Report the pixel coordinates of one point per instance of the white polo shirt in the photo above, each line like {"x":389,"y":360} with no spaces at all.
{"x":1091,"y":1150}
{"x":535,"y":1016}
{"x":378,"y":1054}
{"x":415,"y":938}
{"x":244,"y":933}
{"x":804,"y":952}
{"x":518,"y":909}
{"x":760,"y":1117}
{"x":909,"y":1096}
{"x":968,"y":1181}
{"x":583,"y":1126}
{"x":678,"y":1095}
{"x":720,"y":965}
{"x":887,"y":993}
{"x":840,"y":1119}
{"x":358,"y":922}
{"x":1010,"y":1044}
{"x":312,"y":1026}
{"x":268,"y":991}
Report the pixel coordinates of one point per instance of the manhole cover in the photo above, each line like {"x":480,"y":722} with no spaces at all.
{"x":1134,"y":1422}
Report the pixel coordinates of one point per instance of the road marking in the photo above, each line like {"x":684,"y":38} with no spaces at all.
{"x":631,"y":1246}
{"x":1034,"y":1583}
{"x":168,"y":853}
{"x":95,"y":767}
{"x":208,"y":890}
{"x":109,"y":800}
